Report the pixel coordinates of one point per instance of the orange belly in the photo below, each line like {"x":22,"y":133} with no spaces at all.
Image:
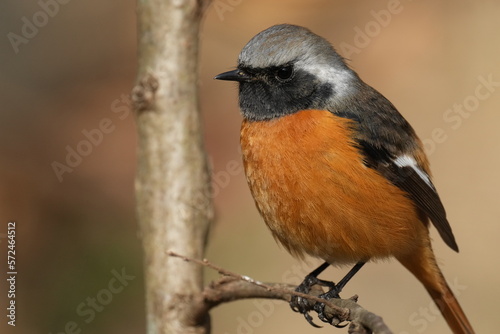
{"x":316,"y":195}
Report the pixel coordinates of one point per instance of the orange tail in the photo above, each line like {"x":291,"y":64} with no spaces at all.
{"x":423,"y":265}
{"x":451,"y":310}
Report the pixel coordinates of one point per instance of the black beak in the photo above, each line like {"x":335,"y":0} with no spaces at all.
{"x":235,"y":75}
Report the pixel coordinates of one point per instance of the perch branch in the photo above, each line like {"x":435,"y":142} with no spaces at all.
{"x":233,"y":286}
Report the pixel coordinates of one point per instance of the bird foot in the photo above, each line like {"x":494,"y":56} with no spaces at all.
{"x":319,"y":307}
{"x":302,"y":305}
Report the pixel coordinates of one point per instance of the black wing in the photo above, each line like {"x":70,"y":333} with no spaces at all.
{"x":385,"y":139}
{"x":416,"y":183}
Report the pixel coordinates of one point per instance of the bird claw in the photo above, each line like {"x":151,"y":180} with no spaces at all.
{"x":310,"y":320}
{"x":320,"y":308}
{"x":302,"y":305}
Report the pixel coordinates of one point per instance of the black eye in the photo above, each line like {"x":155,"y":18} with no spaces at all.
{"x":284,"y":72}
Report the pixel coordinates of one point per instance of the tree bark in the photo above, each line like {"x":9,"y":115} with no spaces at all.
{"x":174,"y":206}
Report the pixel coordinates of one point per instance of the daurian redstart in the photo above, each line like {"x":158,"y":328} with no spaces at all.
{"x":335,"y":170}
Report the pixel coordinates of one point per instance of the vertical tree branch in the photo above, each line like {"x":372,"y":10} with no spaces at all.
{"x":172,"y":187}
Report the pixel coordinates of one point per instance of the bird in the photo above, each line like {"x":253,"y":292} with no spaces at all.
{"x":336,"y":172}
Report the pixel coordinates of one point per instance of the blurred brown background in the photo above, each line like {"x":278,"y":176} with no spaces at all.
{"x":77,"y":232}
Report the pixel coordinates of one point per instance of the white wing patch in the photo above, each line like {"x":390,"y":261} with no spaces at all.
{"x":408,"y":161}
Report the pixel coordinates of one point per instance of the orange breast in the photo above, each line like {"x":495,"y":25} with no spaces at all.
{"x":316,"y":195}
